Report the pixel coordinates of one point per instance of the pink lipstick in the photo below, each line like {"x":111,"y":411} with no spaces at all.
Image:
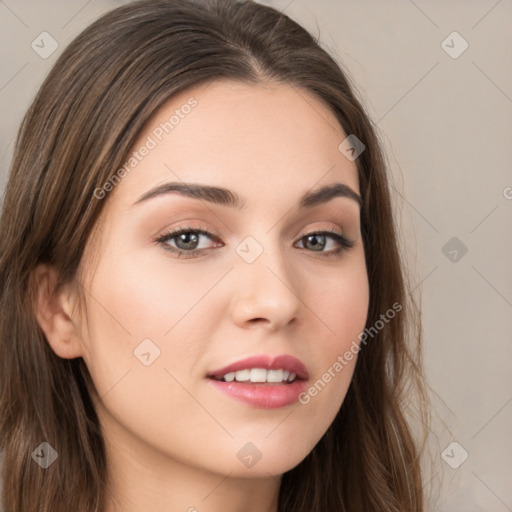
{"x":263,"y":381}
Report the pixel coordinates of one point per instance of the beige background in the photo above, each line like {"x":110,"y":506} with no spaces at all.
{"x":447,"y":126}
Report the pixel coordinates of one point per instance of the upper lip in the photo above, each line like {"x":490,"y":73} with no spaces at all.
{"x":268,"y":362}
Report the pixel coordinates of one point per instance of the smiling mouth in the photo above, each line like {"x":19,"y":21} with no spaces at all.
{"x":259,"y":376}
{"x":265,"y":382}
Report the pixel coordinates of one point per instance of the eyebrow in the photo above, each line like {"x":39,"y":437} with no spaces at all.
{"x":226,"y":197}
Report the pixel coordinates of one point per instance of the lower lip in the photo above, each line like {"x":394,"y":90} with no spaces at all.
{"x":264,"y":396}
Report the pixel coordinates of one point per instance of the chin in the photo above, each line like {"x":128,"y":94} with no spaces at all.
{"x":266,"y":469}
{"x":269,"y":459}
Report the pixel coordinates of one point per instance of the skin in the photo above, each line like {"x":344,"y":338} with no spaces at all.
{"x":172,"y":439}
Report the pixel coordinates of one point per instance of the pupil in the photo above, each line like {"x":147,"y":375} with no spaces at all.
{"x":184,"y":236}
{"x":315,"y":244}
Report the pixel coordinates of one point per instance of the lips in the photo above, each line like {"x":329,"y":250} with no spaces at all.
{"x":267,"y":362}
{"x":265,"y":395}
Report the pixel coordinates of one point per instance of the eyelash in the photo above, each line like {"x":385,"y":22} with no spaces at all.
{"x":342,"y":240}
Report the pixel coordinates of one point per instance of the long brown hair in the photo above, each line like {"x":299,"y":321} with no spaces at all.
{"x":78,"y":131}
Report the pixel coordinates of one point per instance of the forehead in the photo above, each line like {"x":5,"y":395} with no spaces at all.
{"x":263,"y":140}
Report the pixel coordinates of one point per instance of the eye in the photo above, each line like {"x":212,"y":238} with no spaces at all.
{"x":185,"y":241}
{"x":317,"y":241}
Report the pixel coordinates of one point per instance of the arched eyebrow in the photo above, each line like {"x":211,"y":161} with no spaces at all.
{"x":226,"y":197}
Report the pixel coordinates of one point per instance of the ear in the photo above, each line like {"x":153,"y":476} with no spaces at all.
{"x":53,"y":310}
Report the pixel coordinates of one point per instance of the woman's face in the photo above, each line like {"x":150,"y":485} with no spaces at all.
{"x":159,"y":324}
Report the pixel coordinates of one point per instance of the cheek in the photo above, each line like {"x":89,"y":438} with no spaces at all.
{"x":134,"y":299}
{"x":339,"y":298}
{"x":341,"y":304}
{"x":154,"y":292}
{"x":148,"y":311}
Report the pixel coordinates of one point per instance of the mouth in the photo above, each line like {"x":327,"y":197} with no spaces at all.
{"x":259,"y":376}
{"x":264,"y":381}
{"x":262,"y":369}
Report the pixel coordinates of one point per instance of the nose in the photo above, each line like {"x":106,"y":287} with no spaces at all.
{"x":266,"y":293}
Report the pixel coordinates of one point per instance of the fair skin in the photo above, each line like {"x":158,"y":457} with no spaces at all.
{"x":172,"y":439}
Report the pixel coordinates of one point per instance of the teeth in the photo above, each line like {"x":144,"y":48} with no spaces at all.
{"x":229,"y":377}
{"x":275,"y":375}
{"x":243,"y":375}
{"x":260,"y":375}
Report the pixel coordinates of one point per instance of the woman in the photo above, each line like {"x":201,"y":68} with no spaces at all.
{"x":204,"y":306}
